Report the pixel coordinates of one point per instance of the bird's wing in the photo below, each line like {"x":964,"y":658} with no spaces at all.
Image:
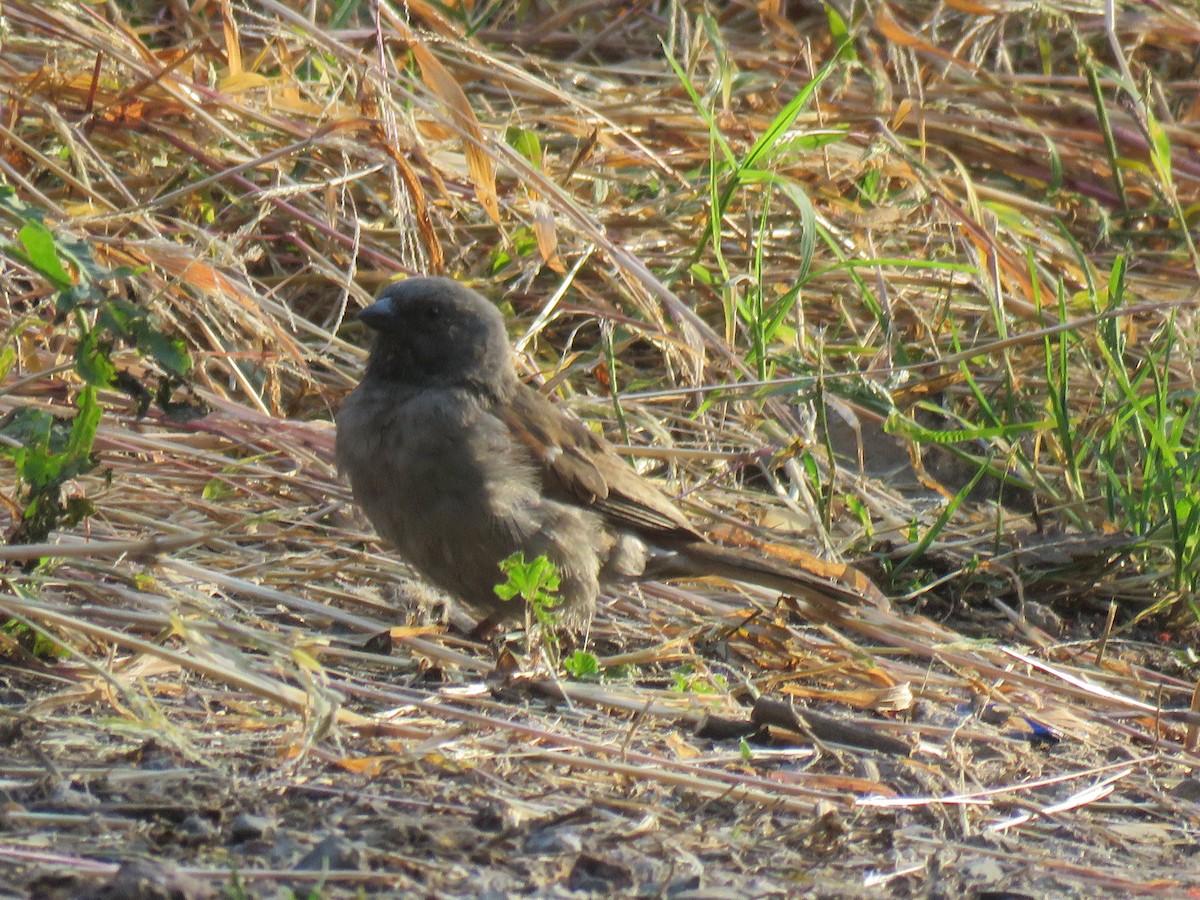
{"x":577,"y":463}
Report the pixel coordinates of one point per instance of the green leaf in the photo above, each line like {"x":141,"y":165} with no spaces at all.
{"x":784,"y":118}
{"x":702,"y":275}
{"x":83,"y":426}
{"x":536,"y":582}
{"x":839,"y":32}
{"x":38,"y":467}
{"x":506,"y":591}
{"x":1160,"y":147}
{"x":902,"y":426}
{"x":92,"y":360}
{"x":219,"y":489}
{"x":171,"y":353}
{"x":526,"y":143}
{"x":26,"y":425}
{"x":72,"y":297}
{"x":118,"y":316}
{"x":42,"y":253}
{"x":582,"y":664}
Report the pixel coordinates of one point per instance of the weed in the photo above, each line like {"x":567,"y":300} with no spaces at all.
{"x":535,"y":582}
{"x":49,"y":451}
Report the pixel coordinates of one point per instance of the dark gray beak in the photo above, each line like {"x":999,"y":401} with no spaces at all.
{"x":378,"y":315}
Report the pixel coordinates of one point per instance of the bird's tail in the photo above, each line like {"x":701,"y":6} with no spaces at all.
{"x":784,"y":569}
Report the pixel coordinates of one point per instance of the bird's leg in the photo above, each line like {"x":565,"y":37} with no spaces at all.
{"x":485,"y":630}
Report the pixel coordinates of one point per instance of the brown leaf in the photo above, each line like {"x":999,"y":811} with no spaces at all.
{"x":444,"y":86}
{"x":547,"y":236}
{"x":233,"y":49}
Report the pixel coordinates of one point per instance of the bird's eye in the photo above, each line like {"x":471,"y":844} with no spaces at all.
{"x":431,"y":313}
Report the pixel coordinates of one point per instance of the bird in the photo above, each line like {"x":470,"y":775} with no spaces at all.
{"x":459,"y":464}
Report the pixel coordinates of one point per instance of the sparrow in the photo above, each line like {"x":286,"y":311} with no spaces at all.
{"x":459,"y":464}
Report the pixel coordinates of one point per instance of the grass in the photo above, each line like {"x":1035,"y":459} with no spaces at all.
{"x":911,"y":289}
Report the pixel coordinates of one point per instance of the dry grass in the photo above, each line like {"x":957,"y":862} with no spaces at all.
{"x":946,"y":203}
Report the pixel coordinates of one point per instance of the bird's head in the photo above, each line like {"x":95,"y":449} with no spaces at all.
{"x":435,"y":332}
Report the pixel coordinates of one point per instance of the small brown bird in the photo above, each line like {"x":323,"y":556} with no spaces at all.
{"x":459,"y":464}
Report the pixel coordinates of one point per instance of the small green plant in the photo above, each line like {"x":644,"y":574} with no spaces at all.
{"x":686,"y":680}
{"x":760,"y":315}
{"x":582,"y":665}
{"x":536,"y":583}
{"x":38,"y":643}
{"x":1147,"y":458}
{"x":522,"y":243}
{"x":48,"y":451}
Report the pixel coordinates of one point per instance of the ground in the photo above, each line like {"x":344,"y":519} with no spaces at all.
{"x":903,"y":294}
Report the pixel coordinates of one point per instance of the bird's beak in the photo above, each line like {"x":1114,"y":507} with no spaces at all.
{"x":378,"y":315}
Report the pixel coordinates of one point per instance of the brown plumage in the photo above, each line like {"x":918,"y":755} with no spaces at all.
{"x":459,"y":464}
